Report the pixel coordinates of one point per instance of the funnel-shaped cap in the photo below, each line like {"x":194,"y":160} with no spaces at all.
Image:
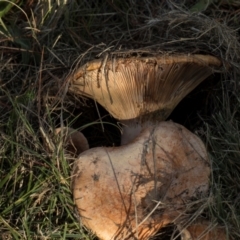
{"x":133,"y":87}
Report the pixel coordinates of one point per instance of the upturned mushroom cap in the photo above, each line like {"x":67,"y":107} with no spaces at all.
{"x":135,"y":86}
{"x":130,"y":192}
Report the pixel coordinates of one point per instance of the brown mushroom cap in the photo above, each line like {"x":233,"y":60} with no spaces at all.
{"x":134,"y":190}
{"x":202,"y":230}
{"x":135,"y":86}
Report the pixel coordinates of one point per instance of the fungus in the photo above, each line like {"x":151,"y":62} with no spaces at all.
{"x":141,"y":90}
{"x":202,"y":230}
{"x":75,"y":141}
{"x":131,"y":191}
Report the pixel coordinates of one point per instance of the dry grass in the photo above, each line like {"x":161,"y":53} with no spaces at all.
{"x":42,"y":42}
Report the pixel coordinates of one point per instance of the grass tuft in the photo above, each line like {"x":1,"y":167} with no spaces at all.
{"x":223,"y":138}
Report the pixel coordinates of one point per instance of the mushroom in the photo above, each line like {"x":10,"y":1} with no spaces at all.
{"x":203,"y":230}
{"x":141,"y":90}
{"x":131,"y":191}
{"x":75,"y":141}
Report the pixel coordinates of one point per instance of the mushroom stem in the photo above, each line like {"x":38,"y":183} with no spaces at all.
{"x":132,"y":128}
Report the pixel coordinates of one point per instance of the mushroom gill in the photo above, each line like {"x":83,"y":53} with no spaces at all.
{"x":133,"y":87}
